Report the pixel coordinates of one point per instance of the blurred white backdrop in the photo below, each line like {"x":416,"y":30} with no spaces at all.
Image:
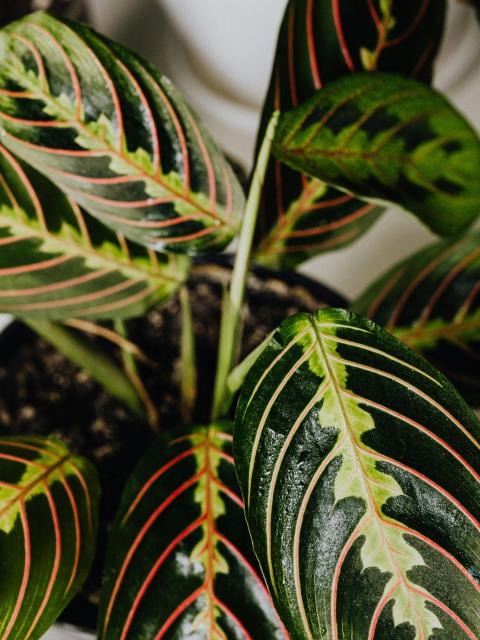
{"x":219,"y":52}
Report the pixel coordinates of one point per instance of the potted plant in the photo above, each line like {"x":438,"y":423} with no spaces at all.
{"x":354,"y":460}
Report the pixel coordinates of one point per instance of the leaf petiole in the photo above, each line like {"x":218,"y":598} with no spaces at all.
{"x":230,"y":329}
{"x":87,"y":355}
{"x":188,"y":358}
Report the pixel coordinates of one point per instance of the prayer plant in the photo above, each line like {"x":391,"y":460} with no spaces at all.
{"x":357,"y":460}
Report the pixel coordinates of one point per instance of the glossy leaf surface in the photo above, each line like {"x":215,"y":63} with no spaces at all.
{"x":359,"y":465}
{"x":115,"y":134}
{"x":431,"y":301}
{"x":57,"y":262}
{"x":48,"y":521}
{"x":320,"y":41}
{"x":180,"y":563}
{"x":385,"y":137}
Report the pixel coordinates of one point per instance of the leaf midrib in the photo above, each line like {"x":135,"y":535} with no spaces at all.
{"x":109,"y":149}
{"x":415,"y":336}
{"x":210,"y":533}
{"x":309,"y":195}
{"x":21,"y":495}
{"x":373,"y":507}
{"x":130,"y":269}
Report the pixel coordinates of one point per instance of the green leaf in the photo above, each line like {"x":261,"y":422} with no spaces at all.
{"x":321,"y":41}
{"x":389,"y":138}
{"x":431,"y":301}
{"x":57,"y":262}
{"x":114,"y":134}
{"x":180,"y":562}
{"x":359,"y":464}
{"x":48,"y":523}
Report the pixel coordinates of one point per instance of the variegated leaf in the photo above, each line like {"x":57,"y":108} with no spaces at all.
{"x":114,"y":134}
{"x":57,"y":262}
{"x":48,"y":522}
{"x":431,"y":301}
{"x":180,"y":563}
{"x":320,"y":41}
{"x":359,"y":464}
{"x":392,"y":139}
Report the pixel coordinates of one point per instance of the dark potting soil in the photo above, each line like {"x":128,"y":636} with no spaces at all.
{"x":43,"y":393}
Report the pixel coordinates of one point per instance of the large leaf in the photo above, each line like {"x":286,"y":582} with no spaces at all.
{"x":320,"y":41}
{"x":115,"y":134}
{"x":48,"y":522}
{"x":359,"y":464}
{"x":385,"y":137}
{"x":56,"y":262}
{"x":180,"y":563}
{"x":431,"y":301}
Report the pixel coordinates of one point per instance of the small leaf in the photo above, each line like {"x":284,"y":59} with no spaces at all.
{"x":359,"y":465}
{"x":180,"y":563}
{"x":48,"y":523}
{"x":389,"y":138}
{"x":57,"y":262}
{"x":319,"y":42}
{"x":431,"y":301}
{"x":114,"y":134}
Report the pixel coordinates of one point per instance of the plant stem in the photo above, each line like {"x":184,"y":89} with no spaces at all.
{"x":131,"y":371}
{"x":237,"y":376}
{"x":87,"y":355}
{"x":112,"y":336}
{"x":188,"y":359}
{"x":230,"y":329}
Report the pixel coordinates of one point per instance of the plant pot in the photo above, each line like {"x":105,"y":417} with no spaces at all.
{"x":41,"y":388}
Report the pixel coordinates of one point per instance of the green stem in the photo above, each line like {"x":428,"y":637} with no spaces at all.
{"x":131,"y":371}
{"x":230,"y":329}
{"x":188,"y":359}
{"x":237,"y":376}
{"x":87,"y":355}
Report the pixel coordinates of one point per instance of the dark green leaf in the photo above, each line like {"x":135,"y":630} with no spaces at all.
{"x":359,"y":464}
{"x":114,"y":134}
{"x":180,"y":563}
{"x":431,"y":301}
{"x":48,"y":523}
{"x":56,"y":262}
{"x":320,"y":41}
{"x":389,"y":138}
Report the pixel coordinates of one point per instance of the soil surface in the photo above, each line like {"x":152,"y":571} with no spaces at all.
{"x":43,"y":393}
